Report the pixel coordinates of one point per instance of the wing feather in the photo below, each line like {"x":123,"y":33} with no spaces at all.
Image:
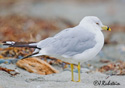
{"x":69,"y":42}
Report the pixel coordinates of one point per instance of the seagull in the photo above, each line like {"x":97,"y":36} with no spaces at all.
{"x":74,"y":45}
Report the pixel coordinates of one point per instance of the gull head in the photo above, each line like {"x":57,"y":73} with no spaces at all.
{"x":95,"y":21}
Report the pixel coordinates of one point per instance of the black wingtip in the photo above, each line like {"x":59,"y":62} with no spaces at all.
{"x":29,"y":55}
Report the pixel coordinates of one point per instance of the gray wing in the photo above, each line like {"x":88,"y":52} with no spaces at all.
{"x":69,"y":42}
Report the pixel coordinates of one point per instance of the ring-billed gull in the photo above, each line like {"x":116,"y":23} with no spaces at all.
{"x":74,"y":45}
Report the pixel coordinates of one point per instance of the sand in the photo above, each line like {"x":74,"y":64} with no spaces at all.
{"x":59,"y":80}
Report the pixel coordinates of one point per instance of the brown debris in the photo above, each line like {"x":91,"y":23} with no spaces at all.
{"x":9,"y":71}
{"x":35,"y":65}
{"x":104,"y":61}
{"x":54,"y":60}
{"x":106,"y":67}
{"x":117,"y":68}
{"x":14,"y":52}
{"x":1,"y":56}
{"x":27,"y":28}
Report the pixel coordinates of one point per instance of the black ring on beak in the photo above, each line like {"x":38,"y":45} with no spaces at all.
{"x":108,"y":28}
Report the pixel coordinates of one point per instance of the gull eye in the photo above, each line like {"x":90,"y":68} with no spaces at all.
{"x":97,"y":23}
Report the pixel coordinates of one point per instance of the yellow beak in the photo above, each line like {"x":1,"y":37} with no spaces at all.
{"x":106,"y":28}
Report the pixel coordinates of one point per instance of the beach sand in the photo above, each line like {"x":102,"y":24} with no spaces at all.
{"x":59,"y":80}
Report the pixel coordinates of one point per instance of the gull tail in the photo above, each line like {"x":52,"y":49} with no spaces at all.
{"x":20,"y":44}
{"x":24,"y":44}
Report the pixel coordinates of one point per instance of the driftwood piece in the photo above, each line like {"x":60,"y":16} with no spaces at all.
{"x":36,"y":65}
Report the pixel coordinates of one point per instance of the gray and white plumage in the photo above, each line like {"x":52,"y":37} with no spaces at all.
{"x":77,"y":44}
{"x":70,"y":42}
{"x":73,"y":45}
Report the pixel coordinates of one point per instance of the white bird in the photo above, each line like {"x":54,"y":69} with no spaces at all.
{"x":74,"y":45}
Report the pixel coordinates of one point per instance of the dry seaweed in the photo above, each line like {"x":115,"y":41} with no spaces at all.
{"x":9,"y":71}
{"x":104,"y":61}
{"x":35,"y":65}
{"x":27,"y":28}
{"x":14,"y":52}
{"x":116,"y":68}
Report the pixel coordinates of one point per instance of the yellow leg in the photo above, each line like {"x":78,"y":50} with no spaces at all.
{"x":72,"y":67}
{"x":79,"y":79}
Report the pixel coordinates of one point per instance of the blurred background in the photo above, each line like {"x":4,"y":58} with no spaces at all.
{"x":34,"y":20}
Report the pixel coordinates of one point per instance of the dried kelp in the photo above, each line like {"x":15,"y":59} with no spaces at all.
{"x":113,"y":68}
{"x":35,"y":65}
{"x":9,"y":71}
{"x":14,"y":52}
